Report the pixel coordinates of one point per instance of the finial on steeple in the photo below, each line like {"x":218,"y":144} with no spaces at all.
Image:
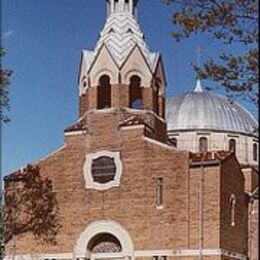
{"x":121,"y":6}
{"x":198,"y":87}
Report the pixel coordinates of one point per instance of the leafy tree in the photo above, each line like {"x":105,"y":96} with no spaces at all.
{"x":233,"y":22}
{"x":4,"y":91}
{"x":30,"y":206}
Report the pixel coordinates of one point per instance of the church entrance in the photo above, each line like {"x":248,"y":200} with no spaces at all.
{"x":105,"y":246}
{"x":104,"y":240}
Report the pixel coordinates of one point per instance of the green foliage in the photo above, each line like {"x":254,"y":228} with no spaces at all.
{"x":233,"y":22}
{"x":30,"y":206}
{"x":4,"y":90}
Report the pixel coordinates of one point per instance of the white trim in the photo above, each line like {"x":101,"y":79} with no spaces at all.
{"x":131,"y":127}
{"x":190,"y":252}
{"x":76,"y":132}
{"x":139,"y":253}
{"x":171,"y":148}
{"x":40,"y":256}
{"x":89,"y":182}
{"x":103,"y":226}
{"x":135,"y":72}
{"x":51,"y":154}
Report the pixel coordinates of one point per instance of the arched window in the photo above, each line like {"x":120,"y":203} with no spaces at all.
{"x":203,"y":144}
{"x":159,"y":192}
{"x":232,"y":145}
{"x":174,"y":142}
{"x":104,"y":93}
{"x":156,"y":100}
{"x":135,"y":93}
{"x":255,"y":152}
{"x":232,"y":201}
{"x":104,"y":243}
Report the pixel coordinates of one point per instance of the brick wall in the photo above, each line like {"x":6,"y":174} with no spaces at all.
{"x":120,"y":98}
{"x":132,"y":204}
{"x":233,"y":238}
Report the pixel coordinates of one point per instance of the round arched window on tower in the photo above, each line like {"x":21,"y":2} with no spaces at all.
{"x":104,"y":92}
{"x":135,"y":93}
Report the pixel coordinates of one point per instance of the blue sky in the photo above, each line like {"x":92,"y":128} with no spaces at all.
{"x":44,"y":39}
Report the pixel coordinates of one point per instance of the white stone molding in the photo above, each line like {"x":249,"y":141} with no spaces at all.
{"x":190,"y":252}
{"x":134,"y":72}
{"x":163,"y":145}
{"x":108,"y":72}
{"x":89,"y":182}
{"x":73,"y":133}
{"x":93,"y":229}
{"x":103,"y":226}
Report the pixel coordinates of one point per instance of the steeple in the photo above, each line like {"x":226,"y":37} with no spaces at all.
{"x":121,"y":6}
{"x":121,"y":65}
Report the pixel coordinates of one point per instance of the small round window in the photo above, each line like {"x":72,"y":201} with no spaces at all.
{"x":103,"y":169}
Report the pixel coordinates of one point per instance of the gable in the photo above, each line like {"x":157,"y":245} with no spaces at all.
{"x":103,"y":64}
{"x":136,"y":64}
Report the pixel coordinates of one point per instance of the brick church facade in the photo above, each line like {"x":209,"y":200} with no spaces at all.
{"x":122,"y":190}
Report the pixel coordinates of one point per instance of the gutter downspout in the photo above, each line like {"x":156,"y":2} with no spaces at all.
{"x":201,"y":220}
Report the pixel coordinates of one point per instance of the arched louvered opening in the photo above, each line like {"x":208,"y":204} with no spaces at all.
{"x":255,"y":152}
{"x":104,"y":92}
{"x":232,"y":145}
{"x":203,"y":144}
{"x":135,"y":93}
{"x":104,"y":243}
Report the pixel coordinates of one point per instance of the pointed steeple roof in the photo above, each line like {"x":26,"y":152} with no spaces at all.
{"x":121,"y":34}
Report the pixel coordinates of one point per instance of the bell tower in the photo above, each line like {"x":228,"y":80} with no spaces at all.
{"x":121,"y":72}
{"x":123,"y":6}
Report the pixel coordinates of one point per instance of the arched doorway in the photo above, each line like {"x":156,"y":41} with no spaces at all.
{"x":105,"y":246}
{"x":104,"y":240}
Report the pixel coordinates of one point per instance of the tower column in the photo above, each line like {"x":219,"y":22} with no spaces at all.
{"x":131,"y":7}
{"x":112,"y":6}
{"x":121,"y":5}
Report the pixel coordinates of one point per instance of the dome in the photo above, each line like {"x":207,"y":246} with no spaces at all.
{"x":203,"y":110}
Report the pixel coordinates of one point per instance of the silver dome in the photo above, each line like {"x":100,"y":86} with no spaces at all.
{"x":203,"y":110}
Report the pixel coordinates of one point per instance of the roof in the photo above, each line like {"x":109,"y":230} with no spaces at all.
{"x":209,"y":156}
{"x":121,"y":34}
{"x":16,"y":176}
{"x":204,"y":110}
{"x":80,"y":126}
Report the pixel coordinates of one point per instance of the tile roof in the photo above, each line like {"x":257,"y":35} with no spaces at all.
{"x":209,"y":156}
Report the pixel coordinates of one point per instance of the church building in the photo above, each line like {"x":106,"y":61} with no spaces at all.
{"x":139,"y":177}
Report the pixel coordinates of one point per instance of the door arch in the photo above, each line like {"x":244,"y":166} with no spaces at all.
{"x":105,"y":233}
